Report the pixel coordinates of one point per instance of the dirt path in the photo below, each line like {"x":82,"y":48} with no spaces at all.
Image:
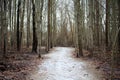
{"x":60,"y":65}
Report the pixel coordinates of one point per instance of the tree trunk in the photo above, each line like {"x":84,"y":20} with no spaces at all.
{"x":107,"y":15}
{"x":78,"y":25}
{"x":97,"y":23}
{"x":35,"y":41}
{"x":5,"y":28}
{"x":0,"y":25}
{"x":49,"y":33}
{"x":118,"y":54}
{"x":22,"y":24}
{"x":41,"y":10}
{"x":28,"y":23}
{"x":15,"y":27}
{"x":18,"y":35}
{"x":54,"y":23}
{"x":10,"y":22}
{"x":51,"y":23}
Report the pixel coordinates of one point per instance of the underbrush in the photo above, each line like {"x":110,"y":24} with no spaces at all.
{"x":18,"y":65}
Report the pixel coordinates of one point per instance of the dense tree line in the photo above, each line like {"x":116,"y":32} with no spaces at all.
{"x":92,"y":25}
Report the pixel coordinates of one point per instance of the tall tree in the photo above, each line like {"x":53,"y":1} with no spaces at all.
{"x":18,"y":16}
{"x":10,"y":21}
{"x":97,"y":23}
{"x":54,"y":23}
{"x":78,"y":25}
{"x":107,"y":17}
{"x":49,"y":25}
{"x":22,"y":23}
{"x":118,"y":53}
{"x":35,"y":40}
{"x":28,"y":22}
{"x":41,"y":11}
{"x":15,"y":24}
{"x":5,"y":27}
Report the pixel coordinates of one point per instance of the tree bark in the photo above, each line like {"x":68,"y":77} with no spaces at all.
{"x":49,"y":33}
{"x":22,"y":24}
{"x":35,"y":41}
{"x":97,"y":23}
{"x":5,"y":28}
{"x":117,"y":56}
{"x":18,"y":35}
{"x":78,"y":23}
{"x":15,"y":26}
{"x":107,"y":15}
{"x":28,"y":23}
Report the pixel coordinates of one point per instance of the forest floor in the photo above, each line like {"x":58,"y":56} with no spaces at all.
{"x":59,"y":64}
{"x":18,"y":65}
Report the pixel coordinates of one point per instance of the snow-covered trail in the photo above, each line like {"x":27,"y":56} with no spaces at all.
{"x":60,"y":65}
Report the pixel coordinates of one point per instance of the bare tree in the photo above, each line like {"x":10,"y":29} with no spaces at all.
{"x":49,"y":25}
{"x":5,"y":27}
{"x":78,"y":23}
{"x":28,"y":22}
{"x":22,"y":23}
{"x":35,"y":41}
{"x":18,"y":16}
{"x":107,"y":17}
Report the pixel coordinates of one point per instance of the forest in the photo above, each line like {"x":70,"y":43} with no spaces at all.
{"x":59,"y":39}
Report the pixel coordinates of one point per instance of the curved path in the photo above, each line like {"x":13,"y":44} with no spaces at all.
{"x":60,"y":65}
